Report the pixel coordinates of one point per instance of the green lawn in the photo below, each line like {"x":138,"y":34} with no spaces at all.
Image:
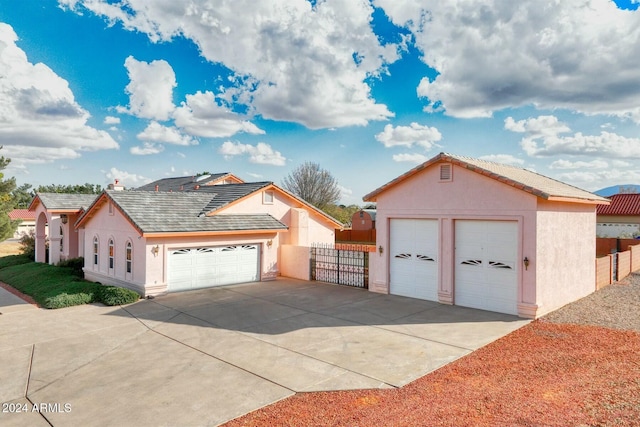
{"x":57,"y":287}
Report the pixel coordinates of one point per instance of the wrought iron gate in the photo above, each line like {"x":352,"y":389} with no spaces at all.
{"x":339,"y":266}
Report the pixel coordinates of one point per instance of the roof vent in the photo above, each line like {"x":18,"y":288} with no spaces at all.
{"x":445,"y":172}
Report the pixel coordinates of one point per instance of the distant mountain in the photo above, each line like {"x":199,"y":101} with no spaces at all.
{"x":624,"y":188}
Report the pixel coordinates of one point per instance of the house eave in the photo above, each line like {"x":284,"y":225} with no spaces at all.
{"x":157,"y":234}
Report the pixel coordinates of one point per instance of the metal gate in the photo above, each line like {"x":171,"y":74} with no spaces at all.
{"x":340,"y":266}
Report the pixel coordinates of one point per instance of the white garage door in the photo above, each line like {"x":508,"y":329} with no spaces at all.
{"x":486,"y":275}
{"x":196,"y":268}
{"x":414,"y":258}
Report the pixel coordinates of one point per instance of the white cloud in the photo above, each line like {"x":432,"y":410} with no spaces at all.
{"x":150,"y":89}
{"x":291,"y":60}
{"x":202,"y":115}
{"x":567,"y":164}
{"x":543,"y":139}
{"x":155,"y":132}
{"x":261,"y":153}
{"x":146,"y":149}
{"x":493,"y":54}
{"x":110,"y":120}
{"x":255,"y":175}
{"x":40,"y":121}
{"x":595,"y":180}
{"x":407,"y":136}
{"x":411,"y":158}
{"x":506,"y":159}
{"x":127,"y":179}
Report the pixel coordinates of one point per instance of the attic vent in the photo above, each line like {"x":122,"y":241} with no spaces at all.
{"x":445,"y":172}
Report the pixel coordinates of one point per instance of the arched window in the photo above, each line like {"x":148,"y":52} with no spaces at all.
{"x":111,"y":251}
{"x":95,"y":250}
{"x":61,"y":240}
{"x":129,"y":257}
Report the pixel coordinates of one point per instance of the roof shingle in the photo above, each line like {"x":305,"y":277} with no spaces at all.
{"x":621,"y":204}
{"x":63,"y":201}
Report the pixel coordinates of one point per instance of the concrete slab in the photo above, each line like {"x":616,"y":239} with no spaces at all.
{"x":396,"y":359}
{"x":10,"y":303}
{"x":458,"y":326}
{"x":292,"y":370}
{"x":14,"y":373}
{"x":151,"y":380}
{"x":243,"y":314}
{"x":21,"y":413}
{"x":205,"y":357}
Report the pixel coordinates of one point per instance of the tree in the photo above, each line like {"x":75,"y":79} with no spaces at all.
{"x":7,"y":226}
{"x":313,"y":184}
{"x":22,"y":196}
{"x":70,"y":189}
{"x":342,"y":213}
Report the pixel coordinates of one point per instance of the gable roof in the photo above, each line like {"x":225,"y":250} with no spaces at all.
{"x":522,"y":179}
{"x":185,"y":183}
{"x":22,"y":214}
{"x":621,"y":204}
{"x":62,"y":201}
{"x":171,"y":212}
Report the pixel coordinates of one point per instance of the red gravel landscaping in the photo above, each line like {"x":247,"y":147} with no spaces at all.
{"x":543,"y":374}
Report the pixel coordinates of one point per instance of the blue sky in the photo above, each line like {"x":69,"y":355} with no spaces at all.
{"x":139,"y":90}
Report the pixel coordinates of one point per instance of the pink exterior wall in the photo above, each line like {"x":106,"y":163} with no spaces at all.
{"x":564,"y":273}
{"x":553,"y":277}
{"x":305,"y":227}
{"x":114,"y":226}
{"x":295,"y":262}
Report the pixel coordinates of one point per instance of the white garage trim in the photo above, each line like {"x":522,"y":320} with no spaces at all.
{"x":195,"y":268}
{"x":413,"y":258}
{"x":486,"y":267}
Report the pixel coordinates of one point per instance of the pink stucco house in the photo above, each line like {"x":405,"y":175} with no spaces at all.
{"x":184,"y":233}
{"x":484,"y":235}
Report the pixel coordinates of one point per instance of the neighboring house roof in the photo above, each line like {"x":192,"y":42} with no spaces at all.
{"x":62,"y":201}
{"x":621,"y":204}
{"x":172,"y":212}
{"x":22,"y":215}
{"x":222,"y":195}
{"x":185,"y":183}
{"x":522,"y":179}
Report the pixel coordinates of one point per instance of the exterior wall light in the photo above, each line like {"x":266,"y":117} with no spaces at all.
{"x":269,"y":243}
{"x":380,"y":249}
{"x":155,"y":250}
{"x":526,"y":263}
{"x":64,"y":218}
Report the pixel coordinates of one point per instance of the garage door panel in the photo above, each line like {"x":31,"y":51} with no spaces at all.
{"x":212,"y":266}
{"x":413,"y":266}
{"x":486,"y":274}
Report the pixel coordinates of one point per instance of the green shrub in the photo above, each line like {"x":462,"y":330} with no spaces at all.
{"x":28,"y":244}
{"x":75,"y":264}
{"x":113,"y":295}
{"x":11,"y":260}
{"x":68,"y":300}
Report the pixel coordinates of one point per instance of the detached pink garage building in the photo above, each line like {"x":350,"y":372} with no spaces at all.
{"x":484,"y":235}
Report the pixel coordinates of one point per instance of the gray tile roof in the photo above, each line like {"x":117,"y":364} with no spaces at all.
{"x":157,"y":212}
{"x":222,"y":195}
{"x":180,"y":183}
{"x":525,"y":180}
{"x":62,"y":201}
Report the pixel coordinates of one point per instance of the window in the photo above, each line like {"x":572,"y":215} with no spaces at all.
{"x":110,"y":208}
{"x":61,"y":240}
{"x":267,"y":198}
{"x":110,"y":254}
{"x":95,"y":250}
{"x":128,"y":257}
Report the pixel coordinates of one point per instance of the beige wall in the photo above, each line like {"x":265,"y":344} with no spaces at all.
{"x":565,"y":273}
{"x":295,"y":261}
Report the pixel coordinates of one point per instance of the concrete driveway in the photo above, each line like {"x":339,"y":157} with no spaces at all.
{"x":205,"y":357}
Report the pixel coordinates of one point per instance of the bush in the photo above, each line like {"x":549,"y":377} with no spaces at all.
{"x":76,"y":264}
{"x":28,"y":244}
{"x":112,"y":295}
{"x":11,"y":260}
{"x":68,"y":300}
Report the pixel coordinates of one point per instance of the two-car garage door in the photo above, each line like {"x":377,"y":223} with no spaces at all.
{"x":195,"y":268}
{"x":484,"y":270}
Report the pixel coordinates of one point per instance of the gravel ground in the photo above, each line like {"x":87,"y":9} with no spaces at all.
{"x":616,"y":306}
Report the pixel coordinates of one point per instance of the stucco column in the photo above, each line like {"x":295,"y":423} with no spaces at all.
{"x":41,"y":238}
{"x":54,"y":240}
